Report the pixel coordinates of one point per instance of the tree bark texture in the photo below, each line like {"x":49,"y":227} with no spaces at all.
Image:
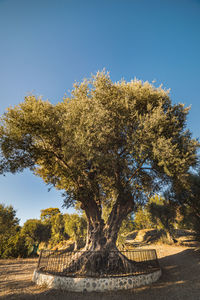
{"x":100,"y":254}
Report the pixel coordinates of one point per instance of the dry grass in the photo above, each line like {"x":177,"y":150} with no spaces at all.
{"x":180,"y":280}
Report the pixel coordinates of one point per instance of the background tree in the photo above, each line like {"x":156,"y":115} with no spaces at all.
{"x":58,"y":233}
{"x":8,"y":219}
{"x":48,"y":213}
{"x":107,"y":142}
{"x":15,"y":246}
{"x":188,"y":198}
{"x":163,"y":215}
{"x":142,"y":219}
{"x":76,"y":228}
{"x":12,"y":243}
{"x":127,"y":227}
{"x":35,"y":232}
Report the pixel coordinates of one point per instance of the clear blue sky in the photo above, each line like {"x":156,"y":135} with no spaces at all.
{"x":45,"y":45}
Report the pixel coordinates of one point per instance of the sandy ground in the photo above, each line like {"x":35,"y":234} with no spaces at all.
{"x":180,"y":280}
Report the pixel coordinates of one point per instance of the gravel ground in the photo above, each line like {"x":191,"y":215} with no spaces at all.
{"x":180,"y":280}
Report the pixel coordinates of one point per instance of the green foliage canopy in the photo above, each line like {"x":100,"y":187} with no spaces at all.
{"x":12,"y":243}
{"x":188,"y":197}
{"x":75,"y":227}
{"x":8,"y":219}
{"x":35,"y":232}
{"x":58,"y":228}
{"x":48,"y":213}
{"x":162,"y":213}
{"x":107,"y":142}
{"x":131,"y":123}
{"x":142,"y":219}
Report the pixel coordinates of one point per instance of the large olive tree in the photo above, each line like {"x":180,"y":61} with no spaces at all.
{"x":107,"y":144}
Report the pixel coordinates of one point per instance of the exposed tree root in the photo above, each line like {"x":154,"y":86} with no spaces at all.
{"x":101,"y":264}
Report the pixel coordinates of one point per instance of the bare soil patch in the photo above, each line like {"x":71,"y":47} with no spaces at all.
{"x":180,"y":279}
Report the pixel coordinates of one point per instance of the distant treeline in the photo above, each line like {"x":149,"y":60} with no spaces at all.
{"x":51,"y":229}
{"x":55,"y":230}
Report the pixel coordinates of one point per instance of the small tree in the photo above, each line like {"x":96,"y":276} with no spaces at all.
{"x":142,"y":219}
{"x":15,"y":246}
{"x":12,"y":243}
{"x":126,"y":227}
{"x":163,"y":215}
{"x":8,"y":219}
{"x":58,"y":233}
{"x":35,"y":232}
{"x":8,"y":226}
{"x":188,"y":198}
{"x":48,"y":213}
{"x":107,"y":142}
{"x":76,"y":228}
{"x":157,"y":213}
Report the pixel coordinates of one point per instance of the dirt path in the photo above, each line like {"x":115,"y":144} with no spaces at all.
{"x":180,"y":280}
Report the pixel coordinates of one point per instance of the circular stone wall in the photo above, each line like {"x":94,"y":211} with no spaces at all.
{"x":95,"y":284}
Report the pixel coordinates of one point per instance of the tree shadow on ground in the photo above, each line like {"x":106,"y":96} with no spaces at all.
{"x":180,"y":281}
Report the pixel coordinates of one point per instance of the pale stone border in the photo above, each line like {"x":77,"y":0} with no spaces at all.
{"x":95,"y":284}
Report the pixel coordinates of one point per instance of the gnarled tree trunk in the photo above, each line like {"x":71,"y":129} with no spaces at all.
{"x":100,"y":255}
